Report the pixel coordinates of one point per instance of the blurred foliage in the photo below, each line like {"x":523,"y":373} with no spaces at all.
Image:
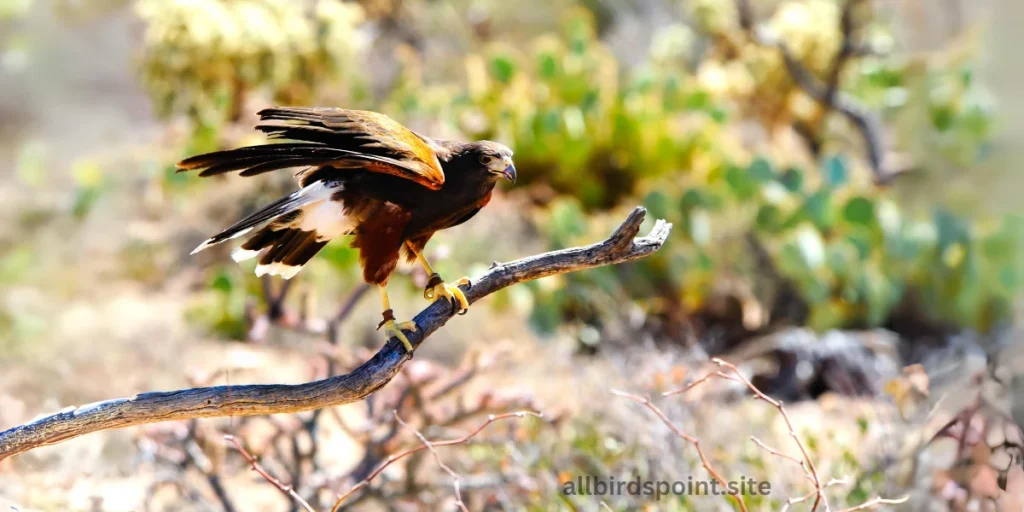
{"x":200,"y":57}
{"x":11,"y":9}
{"x":849,"y":248}
{"x":221,"y":308}
{"x":705,"y":131}
{"x":850,"y":251}
{"x":579,"y":121}
{"x":12,"y":38}
{"x":89,"y":185}
{"x":597,"y":443}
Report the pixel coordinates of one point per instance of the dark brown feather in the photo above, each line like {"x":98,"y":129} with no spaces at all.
{"x":263,"y":238}
{"x":379,"y":240}
{"x":332,"y":138}
{"x":303,"y":252}
{"x":408,"y":155}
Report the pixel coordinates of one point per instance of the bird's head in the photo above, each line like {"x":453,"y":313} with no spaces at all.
{"x":491,"y":157}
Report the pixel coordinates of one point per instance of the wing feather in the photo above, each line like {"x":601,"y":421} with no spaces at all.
{"x":394,"y":148}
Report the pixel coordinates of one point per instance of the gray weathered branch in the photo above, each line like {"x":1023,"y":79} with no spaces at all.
{"x":250,"y":400}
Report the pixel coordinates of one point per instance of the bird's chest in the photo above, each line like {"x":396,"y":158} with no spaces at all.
{"x":427,"y":210}
{"x":446,"y":210}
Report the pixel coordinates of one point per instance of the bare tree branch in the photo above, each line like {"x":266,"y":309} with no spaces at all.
{"x":249,"y":400}
{"x":432,"y":445}
{"x":646,"y":402}
{"x":286,"y":489}
{"x":805,"y":462}
{"x":440,"y":463}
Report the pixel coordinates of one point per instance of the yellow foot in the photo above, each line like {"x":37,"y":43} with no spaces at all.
{"x":437,"y":288}
{"x":392,"y":328}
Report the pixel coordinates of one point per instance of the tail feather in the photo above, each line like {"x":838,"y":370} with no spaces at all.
{"x":281,"y":207}
{"x":289,"y":250}
{"x":303,"y":252}
{"x":300,"y":224}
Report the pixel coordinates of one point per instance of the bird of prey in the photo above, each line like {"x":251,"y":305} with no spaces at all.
{"x":362,"y":174}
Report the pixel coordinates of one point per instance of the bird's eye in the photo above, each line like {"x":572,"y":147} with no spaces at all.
{"x":486,"y":159}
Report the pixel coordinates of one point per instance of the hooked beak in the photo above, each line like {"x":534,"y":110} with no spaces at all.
{"x":503,"y":168}
{"x":509,"y":173}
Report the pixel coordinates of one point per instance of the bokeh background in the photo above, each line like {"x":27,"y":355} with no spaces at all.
{"x":820,"y":257}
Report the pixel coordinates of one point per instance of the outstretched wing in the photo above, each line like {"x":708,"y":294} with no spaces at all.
{"x":331,"y":137}
{"x":409,"y":155}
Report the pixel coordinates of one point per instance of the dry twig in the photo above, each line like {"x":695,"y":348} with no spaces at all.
{"x":448,"y":442}
{"x":690,"y":439}
{"x":806,"y":463}
{"x":285,"y":488}
{"x":804,"y":460}
{"x":437,"y":458}
{"x":800,"y":499}
{"x":774,"y":451}
{"x":878,"y":500}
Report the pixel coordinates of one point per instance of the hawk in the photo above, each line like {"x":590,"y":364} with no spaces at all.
{"x":361,"y":174}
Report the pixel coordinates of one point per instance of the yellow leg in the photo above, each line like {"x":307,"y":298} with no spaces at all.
{"x":392,"y":328}
{"x":437,"y":288}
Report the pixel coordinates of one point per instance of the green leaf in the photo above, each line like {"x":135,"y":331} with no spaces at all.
{"x":769,"y":218}
{"x":761,"y":170}
{"x":222,"y":283}
{"x":862,"y":425}
{"x":739,"y":182}
{"x":835,"y":170}
{"x":718,"y":114}
{"x":966,"y":76}
{"x":339,"y":254}
{"x":951,"y":229}
{"x":547,"y":66}
{"x":859,"y":210}
{"x":943,"y":117}
{"x":699,"y":100}
{"x":85,"y":198}
{"x":550,"y":121}
{"x":881,"y":295}
{"x":658,"y":205}
{"x":503,"y":68}
{"x":705,"y":262}
{"x":699,"y":198}
{"x":818,"y":208}
{"x":792,"y":179}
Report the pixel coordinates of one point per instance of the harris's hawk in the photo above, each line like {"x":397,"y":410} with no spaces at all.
{"x":362,"y":174}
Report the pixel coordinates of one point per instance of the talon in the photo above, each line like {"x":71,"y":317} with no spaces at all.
{"x":436,"y":289}
{"x":430,"y":292}
{"x":392,"y":328}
